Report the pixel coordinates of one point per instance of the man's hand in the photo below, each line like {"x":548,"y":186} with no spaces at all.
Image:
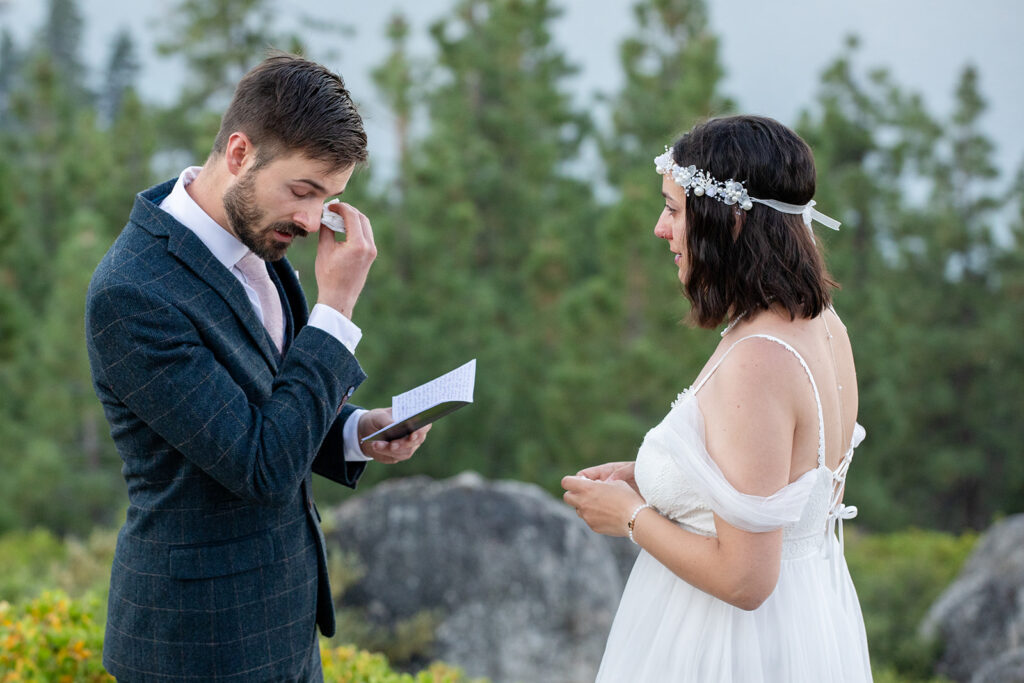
{"x":341,"y":267}
{"x":388,"y":452}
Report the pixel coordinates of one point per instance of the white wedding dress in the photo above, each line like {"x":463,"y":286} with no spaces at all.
{"x":810,"y":630}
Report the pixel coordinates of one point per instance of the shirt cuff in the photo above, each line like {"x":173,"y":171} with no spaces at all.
{"x":350,"y":437}
{"x":335,"y":324}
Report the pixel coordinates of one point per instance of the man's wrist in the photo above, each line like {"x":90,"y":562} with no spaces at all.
{"x":342,"y":307}
{"x":350,"y":437}
{"x":337,"y":325}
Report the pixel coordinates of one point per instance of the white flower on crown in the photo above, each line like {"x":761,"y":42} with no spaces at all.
{"x":732,"y":192}
{"x":702,"y":183}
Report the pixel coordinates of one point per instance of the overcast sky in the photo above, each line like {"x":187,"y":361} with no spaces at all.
{"x":773,"y":52}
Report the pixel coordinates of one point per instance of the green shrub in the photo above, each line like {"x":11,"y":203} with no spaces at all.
{"x":898,"y":576}
{"x":52,"y":638}
{"x":37,"y":560}
{"x":347,"y":664}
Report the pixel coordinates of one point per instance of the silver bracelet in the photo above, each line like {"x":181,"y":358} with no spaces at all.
{"x":632,"y":521}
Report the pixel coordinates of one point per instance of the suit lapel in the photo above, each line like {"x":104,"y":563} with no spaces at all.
{"x":293,"y":300}
{"x":184,"y":245}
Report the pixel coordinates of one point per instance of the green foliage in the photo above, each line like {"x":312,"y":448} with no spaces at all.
{"x":58,"y":639}
{"x":52,"y":638}
{"x":494,"y":229}
{"x":53,"y":608}
{"x":634,"y":353}
{"x":890,"y":675}
{"x":898,"y":577}
{"x":928,"y":297}
{"x":34,"y":561}
{"x":346,"y":664}
{"x":497,"y":241}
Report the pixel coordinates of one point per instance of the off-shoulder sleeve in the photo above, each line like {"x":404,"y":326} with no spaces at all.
{"x":681,"y":436}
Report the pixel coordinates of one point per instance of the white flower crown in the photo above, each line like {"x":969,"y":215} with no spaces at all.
{"x":732,"y":191}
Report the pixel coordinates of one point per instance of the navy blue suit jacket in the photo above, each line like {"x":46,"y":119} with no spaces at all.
{"x":220,"y":572}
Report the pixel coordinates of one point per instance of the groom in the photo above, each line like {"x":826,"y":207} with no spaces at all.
{"x":224,"y":393}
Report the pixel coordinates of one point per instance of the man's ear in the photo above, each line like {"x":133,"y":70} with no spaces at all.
{"x":239,"y":153}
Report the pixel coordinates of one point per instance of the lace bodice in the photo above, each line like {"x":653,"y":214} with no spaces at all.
{"x":677,"y":476}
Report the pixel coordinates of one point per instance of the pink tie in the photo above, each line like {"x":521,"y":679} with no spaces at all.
{"x":255,"y":271}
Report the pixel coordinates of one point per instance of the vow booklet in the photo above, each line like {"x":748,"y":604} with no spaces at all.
{"x":428,"y":402}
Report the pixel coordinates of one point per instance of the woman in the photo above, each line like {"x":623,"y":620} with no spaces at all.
{"x":736,"y":496}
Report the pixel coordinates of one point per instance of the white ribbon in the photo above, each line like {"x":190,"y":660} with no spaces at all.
{"x":835,"y":519}
{"x":807,"y":210}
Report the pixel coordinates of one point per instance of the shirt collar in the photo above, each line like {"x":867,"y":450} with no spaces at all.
{"x":225,"y":247}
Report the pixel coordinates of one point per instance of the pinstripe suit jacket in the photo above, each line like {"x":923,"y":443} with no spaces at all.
{"x":220,"y":572}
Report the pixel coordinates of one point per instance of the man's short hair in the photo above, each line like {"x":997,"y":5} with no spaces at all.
{"x":288,"y":104}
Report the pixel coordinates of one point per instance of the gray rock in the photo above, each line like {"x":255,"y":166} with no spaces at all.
{"x":980,"y":617}
{"x":526,"y":590}
{"x":1009,"y":668}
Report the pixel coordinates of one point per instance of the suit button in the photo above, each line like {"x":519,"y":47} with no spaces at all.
{"x":345,"y":398}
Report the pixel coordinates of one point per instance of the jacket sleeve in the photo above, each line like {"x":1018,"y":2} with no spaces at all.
{"x":330,"y":461}
{"x":150,"y":356}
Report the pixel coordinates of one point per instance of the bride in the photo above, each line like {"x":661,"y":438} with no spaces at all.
{"x":735,"y":498}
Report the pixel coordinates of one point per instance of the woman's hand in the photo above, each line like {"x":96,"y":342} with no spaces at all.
{"x":605,"y":506}
{"x":612,"y":471}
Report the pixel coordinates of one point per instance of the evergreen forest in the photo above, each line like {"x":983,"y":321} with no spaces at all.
{"x":517,"y":229}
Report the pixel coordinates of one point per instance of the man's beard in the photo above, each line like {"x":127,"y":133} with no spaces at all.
{"x":244,"y":217}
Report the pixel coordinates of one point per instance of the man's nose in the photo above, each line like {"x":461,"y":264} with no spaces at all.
{"x":308,"y":220}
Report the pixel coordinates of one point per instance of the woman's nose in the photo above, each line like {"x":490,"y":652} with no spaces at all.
{"x":663,"y":230}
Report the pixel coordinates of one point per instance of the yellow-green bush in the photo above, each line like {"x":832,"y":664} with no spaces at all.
{"x":57,"y":639}
{"x":347,"y":664}
{"x":51,"y":638}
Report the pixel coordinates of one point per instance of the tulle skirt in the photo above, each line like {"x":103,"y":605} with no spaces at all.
{"x":809,"y":630}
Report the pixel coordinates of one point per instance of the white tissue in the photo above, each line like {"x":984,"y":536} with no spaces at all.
{"x":332,"y":220}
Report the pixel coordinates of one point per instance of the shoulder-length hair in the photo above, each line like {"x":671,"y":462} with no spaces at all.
{"x":773,"y":258}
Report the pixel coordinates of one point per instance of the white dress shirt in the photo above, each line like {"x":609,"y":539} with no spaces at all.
{"x":229,"y":251}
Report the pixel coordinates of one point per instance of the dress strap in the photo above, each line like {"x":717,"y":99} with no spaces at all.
{"x":807,"y":369}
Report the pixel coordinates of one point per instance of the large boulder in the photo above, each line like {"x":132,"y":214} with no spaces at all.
{"x":526,"y":592}
{"x":980,"y":617}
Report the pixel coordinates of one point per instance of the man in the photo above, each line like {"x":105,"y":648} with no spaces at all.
{"x":223,"y":395}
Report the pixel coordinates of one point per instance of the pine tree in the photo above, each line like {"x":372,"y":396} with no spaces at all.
{"x":122,"y":71}
{"x":62,"y":43}
{"x":492,"y":233}
{"x":63,"y":198}
{"x":917,"y":277}
{"x":638,"y":349}
{"x":960,"y":363}
{"x":10,"y":66}
{"x":219,"y":41}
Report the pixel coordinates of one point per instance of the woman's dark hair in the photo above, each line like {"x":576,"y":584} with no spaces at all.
{"x":289,"y":104}
{"x":773,"y":259}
